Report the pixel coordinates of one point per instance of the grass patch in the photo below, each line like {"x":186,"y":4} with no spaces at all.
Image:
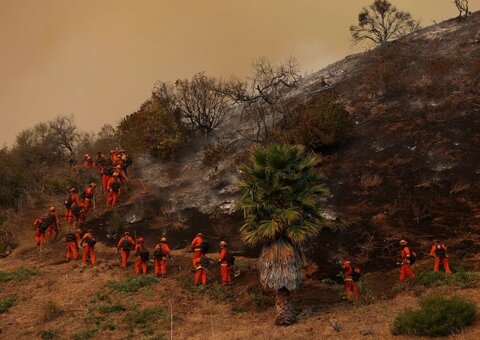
{"x":239,"y":309}
{"x":48,"y":334}
{"x":17,"y":275}
{"x":109,"y":326}
{"x":261,"y":300}
{"x":437,"y":316}
{"x":145,"y":320}
{"x":51,"y":311}
{"x":461,"y":279}
{"x":5,"y":304}
{"x":85,"y":334}
{"x":215,"y":291}
{"x":114,"y":307}
{"x":131,"y":284}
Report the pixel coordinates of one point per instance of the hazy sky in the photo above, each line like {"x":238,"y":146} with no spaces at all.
{"x":99,"y":59}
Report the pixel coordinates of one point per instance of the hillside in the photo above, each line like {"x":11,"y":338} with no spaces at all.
{"x":409,"y":169}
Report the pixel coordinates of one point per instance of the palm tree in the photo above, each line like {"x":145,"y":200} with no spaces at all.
{"x":281,"y":198}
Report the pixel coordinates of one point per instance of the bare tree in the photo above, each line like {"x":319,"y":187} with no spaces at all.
{"x":263,"y":96}
{"x":382,"y":22}
{"x":199,"y":100}
{"x":64,"y":134}
{"x":462,"y":6}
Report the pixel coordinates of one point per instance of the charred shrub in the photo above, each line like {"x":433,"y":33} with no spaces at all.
{"x":213,"y":154}
{"x":323,"y":123}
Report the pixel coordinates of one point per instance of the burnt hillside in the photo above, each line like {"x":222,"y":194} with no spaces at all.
{"x":410,"y":168}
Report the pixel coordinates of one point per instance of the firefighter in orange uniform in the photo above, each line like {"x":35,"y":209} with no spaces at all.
{"x":100,"y":161}
{"x":53,"y":222}
{"x":88,"y":242}
{"x":113,"y":186}
{"x":71,"y":242}
{"x":405,"y":270}
{"x":201,"y":271}
{"x":89,"y":197}
{"x":224,"y":264}
{"x":142,"y":258}
{"x":439,"y":252}
{"x":348,"y":282}
{"x":161,"y":254}
{"x":124,"y":246}
{"x":40,"y":229}
{"x":197,"y":251}
{"x":70,"y":202}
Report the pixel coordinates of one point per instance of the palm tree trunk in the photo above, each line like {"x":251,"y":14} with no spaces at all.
{"x":285,"y":314}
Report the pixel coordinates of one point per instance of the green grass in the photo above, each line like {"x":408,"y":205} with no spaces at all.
{"x":5,"y":304}
{"x":114,"y":307}
{"x":109,"y":325}
{"x":131,"y":284}
{"x":85,"y":334}
{"x":17,"y":275}
{"x":437,"y":316}
{"x":48,"y":334}
{"x":215,"y":291}
{"x":460,"y":278}
{"x":145,"y":319}
{"x":261,"y":300}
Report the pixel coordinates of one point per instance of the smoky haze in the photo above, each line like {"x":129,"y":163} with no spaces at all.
{"x":98,"y":60}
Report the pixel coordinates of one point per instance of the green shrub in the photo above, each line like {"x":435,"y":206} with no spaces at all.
{"x":17,"y":275}
{"x":437,"y":316}
{"x":48,"y":334}
{"x":5,"y":304}
{"x":131,"y":284}
{"x":323,"y":123}
{"x":261,"y":300}
{"x":460,"y":278}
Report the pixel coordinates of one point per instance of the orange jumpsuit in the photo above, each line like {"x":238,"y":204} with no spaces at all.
{"x":72,"y":248}
{"x":53,"y":227}
{"x":105,"y":179}
{"x":160,"y":267}
{"x":197,"y":252}
{"x":112,"y":196}
{"x":224,"y":267}
{"x":405,"y":270}
{"x":100,"y":162}
{"x":440,"y":260}
{"x":122,"y":177}
{"x":88,"y":250}
{"x":125,"y":252}
{"x":68,"y":211}
{"x":348,"y":282}
{"x":140,"y":265}
{"x":200,"y":275}
{"x":39,"y":236}
{"x":89,"y":196}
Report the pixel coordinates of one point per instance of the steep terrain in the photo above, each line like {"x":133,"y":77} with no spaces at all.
{"x":408,"y":170}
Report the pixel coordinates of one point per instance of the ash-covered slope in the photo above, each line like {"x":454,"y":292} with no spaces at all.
{"x":409,"y":169}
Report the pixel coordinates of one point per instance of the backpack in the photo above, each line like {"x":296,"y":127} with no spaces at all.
{"x":70,"y":237}
{"x":204,"y":246}
{"x":413,"y":256}
{"x":116,"y":186}
{"x":204,"y":262}
{"x":69,"y":201}
{"x":126,"y":245}
{"x":44,"y":225}
{"x":76,"y":210}
{"x":145,"y":255}
{"x":129,"y":161}
{"x":158,"y":254}
{"x":91,"y":242}
{"x":230,"y":259}
{"x":356,"y":274}
{"x":108,"y":170}
{"x":440,"y":252}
